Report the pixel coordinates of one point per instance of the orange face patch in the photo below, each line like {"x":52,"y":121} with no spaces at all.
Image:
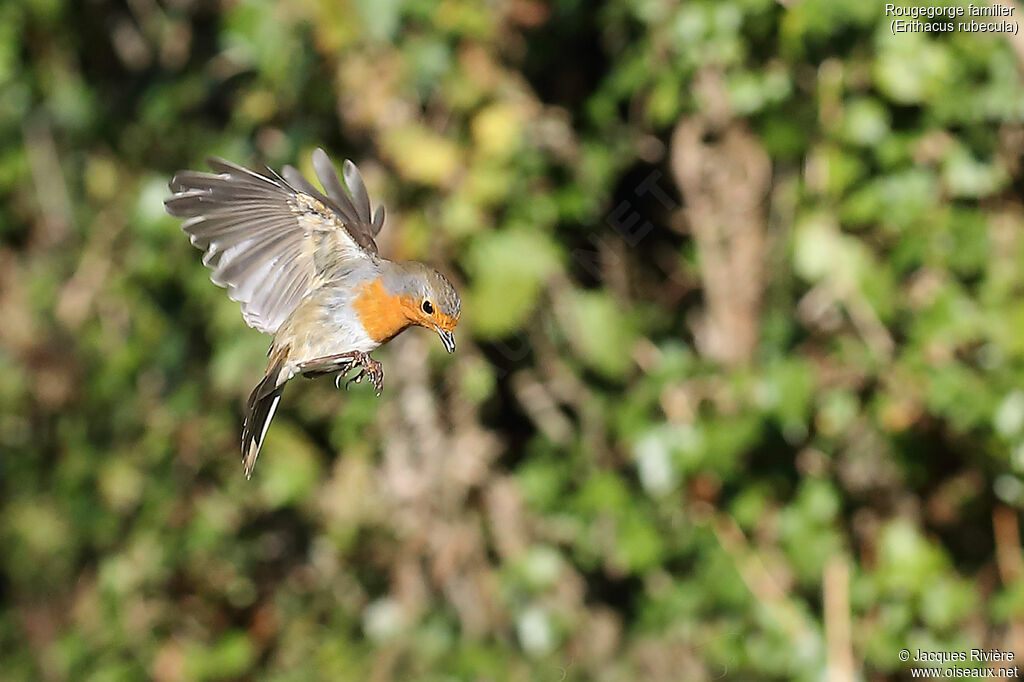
{"x":446,"y":322}
{"x":382,"y":314}
{"x":431,"y":320}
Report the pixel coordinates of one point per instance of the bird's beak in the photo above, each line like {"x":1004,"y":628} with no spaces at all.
{"x":447,"y":338}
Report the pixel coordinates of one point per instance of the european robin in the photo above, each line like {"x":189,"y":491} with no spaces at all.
{"x":305,"y":267}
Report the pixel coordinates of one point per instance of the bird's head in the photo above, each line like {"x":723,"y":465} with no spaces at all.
{"x":431,"y":301}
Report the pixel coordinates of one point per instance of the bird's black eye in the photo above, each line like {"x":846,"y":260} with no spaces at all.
{"x":428,"y":307}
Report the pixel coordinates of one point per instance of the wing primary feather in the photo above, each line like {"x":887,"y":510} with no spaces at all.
{"x":241,"y":174}
{"x":296,"y":180}
{"x":284,"y":183}
{"x":329,"y":179}
{"x":360,"y":198}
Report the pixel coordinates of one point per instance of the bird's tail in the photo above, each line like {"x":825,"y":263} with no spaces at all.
{"x":258,"y":412}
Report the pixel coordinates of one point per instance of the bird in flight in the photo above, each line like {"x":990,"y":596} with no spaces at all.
{"x":305,"y":267}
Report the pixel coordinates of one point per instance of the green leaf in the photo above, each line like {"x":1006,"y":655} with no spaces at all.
{"x":601,"y":332}
{"x":508,"y":270}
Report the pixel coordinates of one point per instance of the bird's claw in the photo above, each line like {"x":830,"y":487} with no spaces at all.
{"x":369,"y":368}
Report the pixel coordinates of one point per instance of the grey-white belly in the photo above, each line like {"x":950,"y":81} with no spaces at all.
{"x":323,"y":324}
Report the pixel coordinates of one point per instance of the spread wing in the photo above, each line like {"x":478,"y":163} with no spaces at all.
{"x":271,"y":239}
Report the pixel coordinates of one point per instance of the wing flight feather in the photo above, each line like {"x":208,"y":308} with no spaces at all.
{"x":270,"y":239}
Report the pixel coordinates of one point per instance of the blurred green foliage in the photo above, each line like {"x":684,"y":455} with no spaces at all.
{"x":587,"y":489}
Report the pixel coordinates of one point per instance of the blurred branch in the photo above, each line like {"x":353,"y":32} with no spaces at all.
{"x":870,"y":328}
{"x":40,"y":623}
{"x":762,"y":584}
{"x":836,"y":597}
{"x":1008,"y":549}
{"x":724,"y":176}
{"x":428,"y":470}
{"x":1016,"y":40}
{"x":79,"y":292}
{"x":48,"y":179}
{"x":1010,"y":561}
{"x":541,"y":407}
{"x":20,"y":330}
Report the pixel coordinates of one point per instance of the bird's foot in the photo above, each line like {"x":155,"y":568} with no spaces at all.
{"x":369,"y":368}
{"x":343,"y":363}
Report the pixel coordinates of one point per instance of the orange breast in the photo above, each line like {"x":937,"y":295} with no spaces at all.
{"x":382,"y":314}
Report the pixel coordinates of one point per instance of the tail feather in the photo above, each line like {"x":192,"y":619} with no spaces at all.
{"x":259,"y":411}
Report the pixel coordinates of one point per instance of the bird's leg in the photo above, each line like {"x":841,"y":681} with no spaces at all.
{"x":328,"y":364}
{"x":343,"y":363}
{"x":371,"y":369}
